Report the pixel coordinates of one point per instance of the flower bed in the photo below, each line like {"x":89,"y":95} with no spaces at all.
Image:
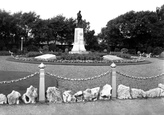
{"x":77,"y":61}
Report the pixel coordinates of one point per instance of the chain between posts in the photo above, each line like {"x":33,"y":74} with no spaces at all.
{"x":79,"y":79}
{"x":139,"y":78}
{"x":20,"y":79}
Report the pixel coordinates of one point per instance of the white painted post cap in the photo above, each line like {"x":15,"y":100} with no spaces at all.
{"x":41,"y":66}
{"x":113,"y":65}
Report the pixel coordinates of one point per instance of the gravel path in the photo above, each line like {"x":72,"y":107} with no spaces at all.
{"x":113,"y":107}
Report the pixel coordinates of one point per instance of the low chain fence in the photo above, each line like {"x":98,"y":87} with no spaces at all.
{"x":139,"y":78}
{"x":80,"y":84}
{"x":77,"y":84}
{"x":139,"y":82}
{"x":20,"y":79}
{"x":79,"y":79}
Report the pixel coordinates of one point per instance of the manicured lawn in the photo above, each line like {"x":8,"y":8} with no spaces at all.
{"x":14,"y":70}
{"x":22,"y":85}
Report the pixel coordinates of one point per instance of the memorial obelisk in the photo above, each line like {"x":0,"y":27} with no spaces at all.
{"x":78,"y":45}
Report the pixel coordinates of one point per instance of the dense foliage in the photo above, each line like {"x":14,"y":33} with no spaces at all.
{"x":135,"y":30}
{"x":36,"y":31}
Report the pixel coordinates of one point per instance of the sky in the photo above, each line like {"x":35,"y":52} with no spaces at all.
{"x":97,"y":12}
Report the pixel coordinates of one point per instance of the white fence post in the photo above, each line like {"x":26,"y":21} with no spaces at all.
{"x":42,"y":83}
{"x":114,"y":89}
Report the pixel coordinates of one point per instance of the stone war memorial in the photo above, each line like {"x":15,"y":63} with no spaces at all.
{"x":78,"y":45}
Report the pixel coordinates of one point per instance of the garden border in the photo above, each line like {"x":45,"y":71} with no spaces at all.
{"x":78,"y":64}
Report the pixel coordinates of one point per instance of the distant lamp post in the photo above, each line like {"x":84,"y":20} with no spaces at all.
{"x":21,"y":43}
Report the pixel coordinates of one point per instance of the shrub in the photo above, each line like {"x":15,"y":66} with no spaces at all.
{"x":127,"y":56}
{"x":45,"y":48}
{"x":105,"y":50}
{"x":66,"y":50}
{"x":117,"y":50}
{"x":4,"y":53}
{"x":124,"y":50}
{"x":108,"y":49}
{"x":14,"y":49}
{"x":40,"y":49}
{"x":32,"y":54}
{"x":4,"y":48}
{"x":161,"y":55}
{"x":157,"y":51}
{"x":149,"y":49}
{"x":32,"y":48}
{"x":52,"y":47}
{"x":132,"y":51}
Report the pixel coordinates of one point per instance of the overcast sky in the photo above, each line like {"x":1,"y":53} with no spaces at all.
{"x":97,"y":12}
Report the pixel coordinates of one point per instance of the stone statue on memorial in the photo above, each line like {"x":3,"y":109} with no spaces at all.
{"x":79,"y":20}
{"x":78,"y":45}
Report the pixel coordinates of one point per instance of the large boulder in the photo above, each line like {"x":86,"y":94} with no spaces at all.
{"x":3,"y":99}
{"x":13,"y":97}
{"x":137,"y":93}
{"x":123,"y":92}
{"x":30,"y":95}
{"x":68,"y":96}
{"x":87,"y":95}
{"x":54,"y":95}
{"x":162,"y":87}
{"x":95,"y":93}
{"x":79,"y":96}
{"x":91,"y":94}
{"x":156,"y":92}
{"x":105,"y":93}
{"x":46,"y":57}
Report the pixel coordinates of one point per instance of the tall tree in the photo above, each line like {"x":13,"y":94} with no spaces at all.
{"x":7,"y":27}
{"x":132,"y":30}
{"x":26,"y":24}
{"x":91,"y":40}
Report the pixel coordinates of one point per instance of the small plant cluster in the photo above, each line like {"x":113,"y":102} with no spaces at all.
{"x":100,"y":61}
{"x":80,"y":57}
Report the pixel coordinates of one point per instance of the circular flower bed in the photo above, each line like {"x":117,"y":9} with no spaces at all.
{"x":85,"y":60}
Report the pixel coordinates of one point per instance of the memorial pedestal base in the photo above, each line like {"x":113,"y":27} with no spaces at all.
{"x":78,"y":46}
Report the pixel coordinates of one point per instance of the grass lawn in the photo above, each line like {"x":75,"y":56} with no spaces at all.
{"x":22,"y":85}
{"x":9,"y":71}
